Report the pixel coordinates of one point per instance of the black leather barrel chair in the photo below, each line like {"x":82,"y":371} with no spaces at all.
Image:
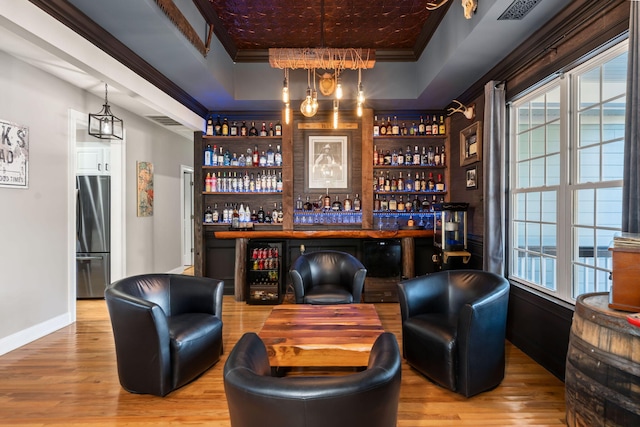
{"x":366,"y":398}
{"x":327,"y":277}
{"x":453,"y":328}
{"x":167,"y":329}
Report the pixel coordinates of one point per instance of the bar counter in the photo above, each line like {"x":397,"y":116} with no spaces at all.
{"x":242,"y":238}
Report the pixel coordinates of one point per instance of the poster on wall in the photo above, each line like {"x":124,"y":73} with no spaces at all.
{"x":145,"y":188}
{"x":14,"y":155}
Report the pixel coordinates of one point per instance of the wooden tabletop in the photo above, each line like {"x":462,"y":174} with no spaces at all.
{"x":304,"y":335}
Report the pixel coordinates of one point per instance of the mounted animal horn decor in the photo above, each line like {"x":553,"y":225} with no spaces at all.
{"x":469,"y":6}
{"x":469,"y":112}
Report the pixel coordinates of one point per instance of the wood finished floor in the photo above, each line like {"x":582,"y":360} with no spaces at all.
{"x":69,"y":378}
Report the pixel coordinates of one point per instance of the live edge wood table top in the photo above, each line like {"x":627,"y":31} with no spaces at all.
{"x":302,"y":335}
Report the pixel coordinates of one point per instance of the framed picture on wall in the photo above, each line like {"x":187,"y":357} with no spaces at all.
{"x":472,"y":178}
{"x":471,"y":144}
{"x":327,"y":162}
{"x":145,"y":188}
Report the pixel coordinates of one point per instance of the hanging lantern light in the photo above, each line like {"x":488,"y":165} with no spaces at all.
{"x":104,"y":125}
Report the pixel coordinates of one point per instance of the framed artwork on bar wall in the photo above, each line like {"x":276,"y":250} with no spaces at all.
{"x":471,"y":144}
{"x":144,"y":172}
{"x":472,"y":178}
{"x":327,"y":163}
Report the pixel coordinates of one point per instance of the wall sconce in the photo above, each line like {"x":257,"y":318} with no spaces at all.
{"x":104,"y":125}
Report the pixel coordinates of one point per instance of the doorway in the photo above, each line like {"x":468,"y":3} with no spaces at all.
{"x":187,"y":214}
{"x":77,"y":130}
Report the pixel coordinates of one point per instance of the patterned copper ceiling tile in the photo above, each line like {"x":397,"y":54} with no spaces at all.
{"x":252,"y":25}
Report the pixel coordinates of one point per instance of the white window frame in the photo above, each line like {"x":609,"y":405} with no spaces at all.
{"x":568,"y":184}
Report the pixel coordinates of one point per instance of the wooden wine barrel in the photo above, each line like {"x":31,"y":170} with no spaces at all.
{"x":602,"y":377}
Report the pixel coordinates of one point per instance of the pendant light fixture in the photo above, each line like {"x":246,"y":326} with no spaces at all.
{"x":309,"y":106}
{"x":104,"y":125}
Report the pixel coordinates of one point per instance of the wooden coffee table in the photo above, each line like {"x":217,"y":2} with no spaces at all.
{"x":302,"y":335}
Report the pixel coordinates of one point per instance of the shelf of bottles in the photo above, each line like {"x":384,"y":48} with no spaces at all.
{"x":263,"y":274}
{"x":409,"y":161}
{"x":242,"y":166}
{"x":325,"y":211}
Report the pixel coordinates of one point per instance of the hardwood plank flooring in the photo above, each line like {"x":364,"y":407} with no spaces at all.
{"x":69,"y":378}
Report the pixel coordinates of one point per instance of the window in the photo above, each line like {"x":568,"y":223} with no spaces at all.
{"x":565,"y":189}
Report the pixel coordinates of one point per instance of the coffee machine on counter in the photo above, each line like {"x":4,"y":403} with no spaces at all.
{"x":450,"y":234}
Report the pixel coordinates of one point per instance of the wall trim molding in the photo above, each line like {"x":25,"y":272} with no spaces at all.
{"x":26,"y":336}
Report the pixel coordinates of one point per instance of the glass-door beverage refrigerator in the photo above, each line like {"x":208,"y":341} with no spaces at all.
{"x":264,"y":272}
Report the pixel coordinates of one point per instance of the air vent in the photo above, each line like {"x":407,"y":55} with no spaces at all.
{"x":517,"y":10}
{"x":164,"y":120}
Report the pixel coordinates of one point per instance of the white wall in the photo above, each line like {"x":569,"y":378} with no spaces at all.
{"x":35,"y":265}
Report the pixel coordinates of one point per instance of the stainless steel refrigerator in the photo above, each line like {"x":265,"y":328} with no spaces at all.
{"x":93,"y":235}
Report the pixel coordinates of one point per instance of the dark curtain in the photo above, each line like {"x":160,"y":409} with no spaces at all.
{"x":494,"y":138}
{"x":631,"y":175}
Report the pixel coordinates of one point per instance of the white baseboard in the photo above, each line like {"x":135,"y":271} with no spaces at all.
{"x":33,"y":333}
{"x":177,"y":270}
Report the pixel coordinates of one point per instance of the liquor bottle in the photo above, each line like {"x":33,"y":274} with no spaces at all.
{"x":401,"y":206}
{"x":376,"y":203}
{"x":387,"y":182}
{"x":280,"y":218}
{"x":400,"y":157}
{"x":255,"y":157}
{"x":417,"y":183}
{"x":307,"y":205}
{"x":278,"y":128}
{"x":395,"y":129}
{"x":381,"y":181}
{"x":252,"y":130}
{"x":214,"y":156}
{"x":421,"y":126}
{"x":441,"y":128}
{"x":410,"y":222}
{"x":272,"y":132}
{"x":427,"y":127}
{"x":207,"y":183}
{"x":326,"y":202}
{"x":271,"y":157}
{"x":225,"y":214}
{"x":263,"y":129}
{"x":408,"y":157}
{"x":404,"y":131}
{"x":357,"y":203}
{"x":442,"y":157}
{"x":234,"y":160}
{"x":263,"y":159}
{"x":416,"y":156}
{"x":279,"y":183}
{"x":384,"y":204}
{"x":242,"y":160}
{"x":243,"y":129}
{"x":347,"y":204}
{"x":214,"y":182}
{"x":387,"y":158}
{"x":393,"y":203}
{"x":216,"y":215}
{"x":425,"y":206}
{"x":209,"y":129}
{"x":227,"y":158}
{"x":400,"y":183}
{"x":434,"y":126}
{"x":436,"y":157}
{"x":225,"y":127}
{"x":383,"y":128}
{"x":274,"y":213}
{"x":220,"y":157}
{"x":246,"y":182}
{"x":424,"y":186}
{"x":439,"y":183}
{"x":217,"y":129}
{"x":235,"y":217}
{"x":431,"y":184}
{"x":431,"y":155}
{"x":254,"y":216}
{"x":260,"y":215}
{"x":233,"y":130}
{"x":336,"y":205}
{"x":389,"y":126}
{"x":208,"y":153}
{"x":376,"y":127}
{"x":424,"y":160}
{"x":278,"y":156}
{"x":408,"y":183}
{"x":394,"y":158}
{"x":414,"y":129}
{"x":299,"y":203}
{"x":247,"y":214}
{"x":376,"y":156}
{"x":208,"y":215}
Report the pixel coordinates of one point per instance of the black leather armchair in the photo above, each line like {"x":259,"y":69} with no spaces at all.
{"x":453,"y":328}
{"x":327,"y":277}
{"x":366,"y":398}
{"x":167,"y":329}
